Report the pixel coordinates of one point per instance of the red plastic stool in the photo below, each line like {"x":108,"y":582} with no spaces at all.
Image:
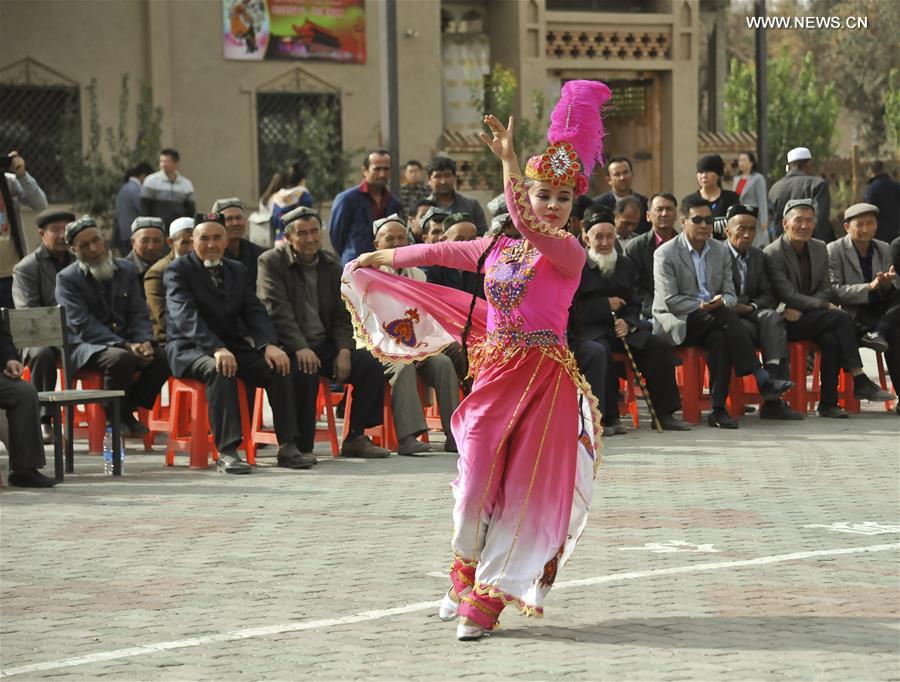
{"x":803,"y":398}
{"x":90,"y":420}
{"x":384,"y":435}
{"x":189,"y":424}
{"x":260,"y":435}
{"x":629,"y":404}
{"x":691,"y":377}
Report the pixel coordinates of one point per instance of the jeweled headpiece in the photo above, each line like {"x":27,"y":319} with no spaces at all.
{"x":575,"y":136}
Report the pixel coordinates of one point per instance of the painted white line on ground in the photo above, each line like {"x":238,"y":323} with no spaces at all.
{"x":249,"y":633}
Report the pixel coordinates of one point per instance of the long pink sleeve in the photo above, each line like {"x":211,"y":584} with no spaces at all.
{"x":558,"y":246}
{"x":456,"y":255}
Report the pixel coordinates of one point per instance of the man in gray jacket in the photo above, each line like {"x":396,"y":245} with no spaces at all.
{"x":797,"y":266}
{"x":866,"y":284}
{"x":694,"y":302}
{"x":300,"y":285}
{"x":34,"y":286}
{"x":800,"y":183}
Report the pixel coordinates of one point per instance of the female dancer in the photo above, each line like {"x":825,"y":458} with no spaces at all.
{"x":518,"y":430}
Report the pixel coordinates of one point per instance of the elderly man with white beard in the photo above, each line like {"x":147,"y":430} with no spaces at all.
{"x":606,"y":310}
{"x":108,"y":322}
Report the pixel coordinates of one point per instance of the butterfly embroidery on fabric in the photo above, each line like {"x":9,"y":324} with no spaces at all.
{"x":403,"y":330}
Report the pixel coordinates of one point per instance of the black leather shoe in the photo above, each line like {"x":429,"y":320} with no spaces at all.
{"x":615,"y":428}
{"x":775,"y":387}
{"x":669,"y":423}
{"x":832,"y":411}
{"x":871,"y":391}
{"x":290,"y":457}
{"x":47,"y":433}
{"x":413,"y":447}
{"x":363,"y":448}
{"x":231,"y":463}
{"x":721,"y":420}
{"x":132,"y":428}
{"x":778,"y":409}
{"x":875,"y":341}
{"x":30,"y":478}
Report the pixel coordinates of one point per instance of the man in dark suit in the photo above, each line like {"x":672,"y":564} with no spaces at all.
{"x":242,"y":250}
{"x":300,"y":285}
{"x":34,"y":286}
{"x":108,"y":322}
{"x":20,"y":400}
{"x":694,"y":305}
{"x":605,"y":311}
{"x":148,"y":241}
{"x":884,"y":192}
{"x":217,"y":331}
{"x":619,"y":177}
{"x":755,"y":304}
{"x":797,"y":266}
{"x":640,"y":249}
{"x":866,"y":284}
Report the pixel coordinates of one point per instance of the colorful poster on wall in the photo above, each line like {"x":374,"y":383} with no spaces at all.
{"x":331,"y":30}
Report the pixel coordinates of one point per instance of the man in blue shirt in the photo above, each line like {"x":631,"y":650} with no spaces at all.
{"x":355,"y":209}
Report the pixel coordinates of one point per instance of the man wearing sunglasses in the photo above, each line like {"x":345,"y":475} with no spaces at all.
{"x":755,"y":303}
{"x":694,"y":305}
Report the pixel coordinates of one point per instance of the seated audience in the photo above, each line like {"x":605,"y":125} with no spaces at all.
{"x":866,"y":285}
{"x":242,"y":250}
{"x":640,"y":250}
{"x":755,"y":304}
{"x":148,"y":240}
{"x":457,"y":228}
{"x":20,"y":400}
{"x":619,"y":177}
{"x":34,"y":286}
{"x":180,"y":244}
{"x":108,"y":322}
{"x":605,"y":311}
{"x":797,"y":266}
{"x":439,"y":372}
{"x":627,"y":214}
{"x":441,"y":177}
{"x":433,"y":225}
{"x":693,"y":305}
{"x":300,"y":285}
{"x":217,"y":332}
{"x":414,"y":220}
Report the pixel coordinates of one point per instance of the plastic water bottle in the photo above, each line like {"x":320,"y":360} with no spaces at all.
{"x":108,"y":453}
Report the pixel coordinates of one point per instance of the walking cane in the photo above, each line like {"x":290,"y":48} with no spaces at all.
{"x":641,"y":383}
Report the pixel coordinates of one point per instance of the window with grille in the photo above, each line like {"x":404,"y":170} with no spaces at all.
{"x":282,"y":118}
{"x":31,"y":122}
{"x":629,"y":100}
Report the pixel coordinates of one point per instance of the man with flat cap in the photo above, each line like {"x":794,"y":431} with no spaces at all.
{"x":148,"y":240}
{"x":300,"y":285}
{"x":34,"y":286}
{"x":217,"y":331}
{"x":866,"y":283}
{"x":800,"y":183}
{"x":108,"y":322}
{"x":755,"y":304}
{"x":242,"y":250}
{"x":180,"y":243}
{"x":797,"y":266}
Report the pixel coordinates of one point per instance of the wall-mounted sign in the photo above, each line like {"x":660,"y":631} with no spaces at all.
{"x":331,"y":30}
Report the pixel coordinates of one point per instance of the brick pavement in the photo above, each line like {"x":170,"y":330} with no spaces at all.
{"x":164,"y":555}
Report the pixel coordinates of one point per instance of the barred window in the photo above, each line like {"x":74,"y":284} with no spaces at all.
{"x":31,"y":122}
{"x":280,"y":121}
{"x":628,"y":100}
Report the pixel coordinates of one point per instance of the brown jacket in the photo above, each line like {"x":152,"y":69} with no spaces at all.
{"x":280,"y":286}
{"x":156,"y":295}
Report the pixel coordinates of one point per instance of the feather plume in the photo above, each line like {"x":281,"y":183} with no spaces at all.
{"x":576,"y":119}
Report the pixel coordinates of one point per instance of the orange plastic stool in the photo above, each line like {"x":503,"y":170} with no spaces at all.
{"x":158,"y":419}
{"x":692,"y":380}
{"x":189,"y":430}
{"x":90,"y":420}
{"x":882,"y":380}
{"x":803,"y":398}
{"x":629,"y":404}
{"x":385,"y":435}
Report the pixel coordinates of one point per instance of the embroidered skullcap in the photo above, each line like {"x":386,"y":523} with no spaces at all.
{"x":741,"y":209}
{"x":213,"y":217}
{"x":298,"y":213}
{"x":393,"y":218}
{"x":499,"y":221}
{"x":141,"y":222}
{"x":53,"y":215}
{"x":230,"y":202}
{"x":74,"y":228}
{"x":455,"y":218}
{"x":180,"y":224}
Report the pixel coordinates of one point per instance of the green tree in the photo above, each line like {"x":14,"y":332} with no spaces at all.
{"x":498,"y":98}
{"x":319,"y":139}
{"x":800,"y":110}
{"x":93,"y":176}
{"x":892,"y":107}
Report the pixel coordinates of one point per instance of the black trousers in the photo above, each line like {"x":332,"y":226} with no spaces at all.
{"x":728,"y":345}
{"x":119,"y":366}
{"x":19,"y":399}
{"x":655,"y":361}
{"x":366,"y":378}
{"x":834,"y":331}
{"x":43,"y":367}
{"x":885,"y":319}
{"x":222,"y":396}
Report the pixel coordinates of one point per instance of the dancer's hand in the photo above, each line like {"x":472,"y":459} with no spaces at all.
{"x":375,"y":259}
{"x":501,"y":142}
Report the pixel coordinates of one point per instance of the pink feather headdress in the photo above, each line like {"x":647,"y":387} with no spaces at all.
{"x":575,"y":136}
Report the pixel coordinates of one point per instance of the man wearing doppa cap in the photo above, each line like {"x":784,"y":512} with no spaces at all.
{"x":800,"y":183}
{"x":148,"y":237}
{"x":242,"y":250}
{"x":180,"y":244}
